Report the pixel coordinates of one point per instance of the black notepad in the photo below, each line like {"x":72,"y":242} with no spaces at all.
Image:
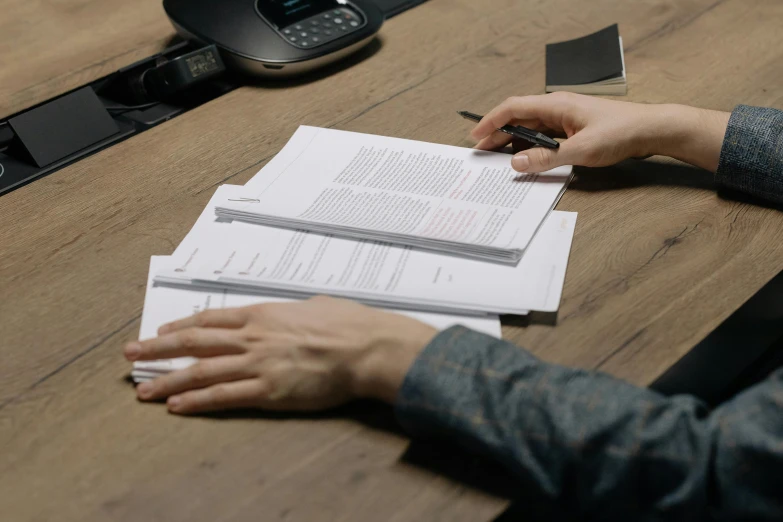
{"x":593,"y":64}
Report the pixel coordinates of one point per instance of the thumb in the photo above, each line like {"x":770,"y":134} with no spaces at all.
{"x":540,"y":159}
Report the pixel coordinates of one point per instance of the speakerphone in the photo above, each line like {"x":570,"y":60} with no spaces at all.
{"x":278,"y":37}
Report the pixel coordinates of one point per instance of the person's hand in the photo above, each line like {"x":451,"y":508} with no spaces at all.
{"x":603,"y":132}
{"x":308,"y":355}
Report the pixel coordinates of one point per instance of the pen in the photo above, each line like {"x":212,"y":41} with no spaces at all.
{"x":517,"y":131}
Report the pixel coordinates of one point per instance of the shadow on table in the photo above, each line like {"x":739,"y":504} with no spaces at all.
{"x":468,"y":469}
{"x":635,"y":173}
{"x":485,"y":475}
{"x":652,"y":172}
{"x":523,"y":321}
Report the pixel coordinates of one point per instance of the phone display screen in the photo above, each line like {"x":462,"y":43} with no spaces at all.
{"x":283,"y":13}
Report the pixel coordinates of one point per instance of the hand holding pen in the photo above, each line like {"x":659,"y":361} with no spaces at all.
{"x":602,"y":132}
{"x":517,"y":131}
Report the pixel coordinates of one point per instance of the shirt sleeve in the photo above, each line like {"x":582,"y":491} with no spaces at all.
{"x":751,"y":158}
{"x":612,"y":450}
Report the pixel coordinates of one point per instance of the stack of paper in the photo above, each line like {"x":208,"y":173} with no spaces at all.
{"x":436,"y":197}
{"x":164,"y":304}
{"x":221,"y":254}
{"x":225,"y":262}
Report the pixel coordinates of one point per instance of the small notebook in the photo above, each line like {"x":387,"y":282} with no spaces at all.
{"x":435,"y":197}
{"x":593,"y":64}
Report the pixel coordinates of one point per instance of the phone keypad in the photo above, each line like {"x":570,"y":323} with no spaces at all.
{"x":322,"y":28}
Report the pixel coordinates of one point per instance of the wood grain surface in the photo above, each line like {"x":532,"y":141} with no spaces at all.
{"x":659,"y":259}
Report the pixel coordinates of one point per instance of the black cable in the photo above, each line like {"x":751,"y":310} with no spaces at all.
{"x":128,"y":108}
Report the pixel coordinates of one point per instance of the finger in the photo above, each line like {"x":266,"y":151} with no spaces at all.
{"x":496,"y":140}
{"x":193,"y":342}
{"x":541,"y":159}
{"x":224,"y":396}
{"x":536,"y":108}
{"x":204,"y":373}
{"x":223,"y":318}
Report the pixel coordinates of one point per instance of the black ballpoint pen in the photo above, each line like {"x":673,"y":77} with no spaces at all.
{"x":517,"y":131}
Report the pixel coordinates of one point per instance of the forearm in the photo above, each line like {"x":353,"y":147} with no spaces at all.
{"x":744,"y":149}
{"x":611,"y":450}
{"x":685,"y":133}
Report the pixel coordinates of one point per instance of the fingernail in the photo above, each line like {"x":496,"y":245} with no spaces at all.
{"x":520,"y":162}
{"x":132,"y":351}
{"x":144,"y":390}
{"x":174,"y":402}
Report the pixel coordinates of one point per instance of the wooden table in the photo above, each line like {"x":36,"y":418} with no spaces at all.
{"x":658,"y":259}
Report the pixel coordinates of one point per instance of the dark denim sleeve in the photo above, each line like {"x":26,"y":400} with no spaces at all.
{"x":751,"y":159}
{"x":611,"y":450}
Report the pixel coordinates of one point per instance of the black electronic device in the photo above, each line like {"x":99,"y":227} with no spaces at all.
{"x":79,"y":123}
{"x":277,"y":37}
{"x":256,"y":36}
{"x":172,"y":76}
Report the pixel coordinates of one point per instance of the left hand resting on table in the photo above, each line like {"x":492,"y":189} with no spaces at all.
{"x":307,"y":355}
